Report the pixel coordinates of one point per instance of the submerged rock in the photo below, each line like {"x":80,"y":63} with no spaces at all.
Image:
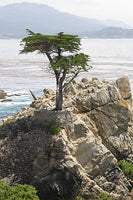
{"x":95,"y":130}
{"x":6,"y":100}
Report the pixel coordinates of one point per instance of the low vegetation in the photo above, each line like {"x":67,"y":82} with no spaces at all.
{"x":79,"y":198}
{"x":17,"y":192}
{"x":104,"y":196}
{"x":127,"y":168}
{"x":7,"y":122}
{"x":54,"y":130}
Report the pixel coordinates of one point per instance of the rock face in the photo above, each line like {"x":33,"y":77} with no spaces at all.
{"x":96,"y":131}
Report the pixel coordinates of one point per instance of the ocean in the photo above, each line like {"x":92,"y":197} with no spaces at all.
{"x":110,"y":59}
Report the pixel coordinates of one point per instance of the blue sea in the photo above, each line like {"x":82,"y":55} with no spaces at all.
{"x":110,"y":58}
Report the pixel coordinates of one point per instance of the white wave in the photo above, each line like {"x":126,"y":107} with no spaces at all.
{"x":6,"y":103}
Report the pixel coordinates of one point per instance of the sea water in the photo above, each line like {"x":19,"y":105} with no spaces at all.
{"x":110,"y":59}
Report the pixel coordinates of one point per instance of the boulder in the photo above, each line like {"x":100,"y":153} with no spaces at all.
{"x":124,"y":87}
{"x":2,"y":94}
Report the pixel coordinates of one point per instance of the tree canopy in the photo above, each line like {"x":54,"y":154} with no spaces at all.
{"x":63,"y":53}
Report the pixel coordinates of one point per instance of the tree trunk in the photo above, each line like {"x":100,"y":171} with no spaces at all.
{"x":59,"y":95}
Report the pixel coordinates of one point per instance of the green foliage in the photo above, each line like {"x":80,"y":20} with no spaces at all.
{"x":104,"y":196}
{"x":7,"y":122}
{"x":54,"y":130}
{"x":54,"y":47}
{"x":79,"y":198}
{"x":50,"y":43}
{"x":17,"y":192}
{"x":127,"y":168}
{"x":70,"y":63}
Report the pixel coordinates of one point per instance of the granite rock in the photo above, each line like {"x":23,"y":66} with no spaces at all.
{"x":96,"y":131}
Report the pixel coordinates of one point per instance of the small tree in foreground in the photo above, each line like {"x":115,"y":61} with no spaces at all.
{"x":62,"y":51}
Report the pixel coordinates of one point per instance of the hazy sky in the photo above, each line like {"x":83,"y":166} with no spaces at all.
{"x":99,"y":9}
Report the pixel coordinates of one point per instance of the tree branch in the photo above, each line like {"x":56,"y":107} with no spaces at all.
{"x":73,"y":77}
{"x":34,"y":97}
{"x":49,"y":57}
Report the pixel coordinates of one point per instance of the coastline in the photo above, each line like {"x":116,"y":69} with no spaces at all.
{"x":110,"y":59}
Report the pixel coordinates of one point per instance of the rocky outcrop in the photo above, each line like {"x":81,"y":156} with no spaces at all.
{"x":96,"y":131}
{"x":2,"y":94}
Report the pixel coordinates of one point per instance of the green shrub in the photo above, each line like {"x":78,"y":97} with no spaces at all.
{"x":79,"y":198}
{"x":17,"y":192}
{"x":54,"y":130}
{"x":7,"y":122}
{"x":127,"y":168}
{"x":104,"y":196}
